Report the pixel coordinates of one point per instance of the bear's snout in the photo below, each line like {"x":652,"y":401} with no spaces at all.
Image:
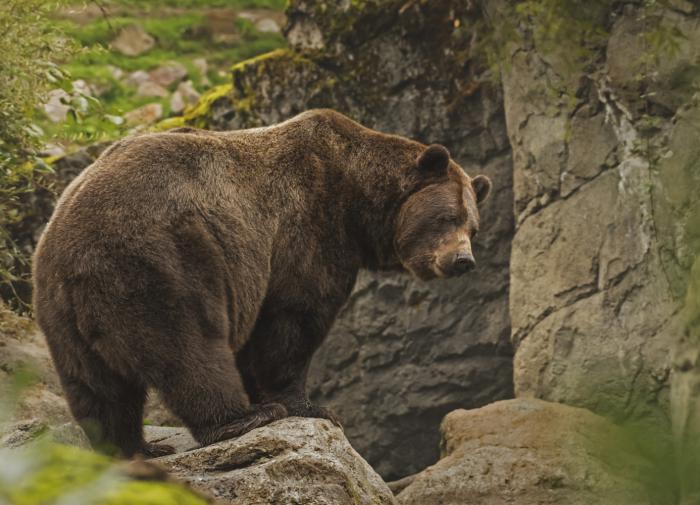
{"x":454,"y":263}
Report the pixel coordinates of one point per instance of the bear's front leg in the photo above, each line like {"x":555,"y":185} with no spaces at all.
{"x":276,"y":359}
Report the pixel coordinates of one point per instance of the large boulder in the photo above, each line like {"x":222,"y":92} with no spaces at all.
{"x":294,"y":460}
{"x":535,"y":452}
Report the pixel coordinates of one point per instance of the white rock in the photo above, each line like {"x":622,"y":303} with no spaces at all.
{"x":116,"y":72}
{"x":267,"y":25}
{"x":177,"y":103}
{"x":201,"y":65}
{"x":54,"y":107}
{"x":82,"y":87}
{"x":189,"y":94}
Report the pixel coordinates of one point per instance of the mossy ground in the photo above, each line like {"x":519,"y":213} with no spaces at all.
{"x":57,"y":473}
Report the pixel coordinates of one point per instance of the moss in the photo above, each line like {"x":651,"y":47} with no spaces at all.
{"x":169,"y":123}
{"x":197,"y":114}
{"x":59,"y":472}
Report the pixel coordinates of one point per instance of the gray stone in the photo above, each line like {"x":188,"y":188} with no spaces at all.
{"x":168,"y":74}
{"x":137,"y":78}
{"x":151,"y":89}
{"x":133,"y":40}
{"x":56,"y":107}
{"x":188,"y":93}
{"x":294,"y":460}
{"x":201,"y":65}
{"x":82,"y":87}
{"x":267,"y":25}
{"x":177,"y":103}
{"x":533,"y":452}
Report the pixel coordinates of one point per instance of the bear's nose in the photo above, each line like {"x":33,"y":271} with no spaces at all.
{"x":464,"y":262}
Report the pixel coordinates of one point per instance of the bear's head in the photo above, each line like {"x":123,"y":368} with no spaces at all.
{"x":439,"y":218}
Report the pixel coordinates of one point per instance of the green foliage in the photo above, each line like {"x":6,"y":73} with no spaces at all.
{"x":30,"y":49}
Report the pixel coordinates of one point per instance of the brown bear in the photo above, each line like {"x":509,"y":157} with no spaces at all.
{"x":211,"y":265}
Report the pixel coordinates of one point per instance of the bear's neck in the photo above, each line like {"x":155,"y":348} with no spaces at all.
{"x":371,"y":167}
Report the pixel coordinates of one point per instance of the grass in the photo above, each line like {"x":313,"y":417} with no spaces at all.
{"x":181,"y":35}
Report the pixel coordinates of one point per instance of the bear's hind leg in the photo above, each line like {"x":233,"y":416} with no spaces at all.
{"x":110,"y":411}
{"x":205,"y":390}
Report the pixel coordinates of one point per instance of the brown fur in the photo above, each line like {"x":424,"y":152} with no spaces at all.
{"x":211,"y":265}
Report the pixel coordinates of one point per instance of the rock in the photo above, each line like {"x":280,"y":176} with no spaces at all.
{"x":188,"y":93}
{"x":184,"y":96}
{"x":83,"y":88}
{"x":201,"y":65}
{"x":530,"y":451}
{"x":22,"y":433}
{"x":168,"y":74}
{"x":402,"y":353}
{"x":294,"y":460}
{"x":133,"y":40}
{"x":151,"y":89}
{"x":117,"y":73}
{"x":52,"y":150}
{"x":177,"y":103}
{"x":146,"y":114}
{"x":56,"y":107}
{"x":178,"y":438}
{"x":137,"y":78}
{"x":267,"y":25}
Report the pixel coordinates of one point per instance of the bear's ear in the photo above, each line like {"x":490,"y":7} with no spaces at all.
{"x":482,"y":188}
{"x":434,"y":160}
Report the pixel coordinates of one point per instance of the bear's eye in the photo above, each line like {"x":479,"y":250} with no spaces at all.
{"x":447,"y":220}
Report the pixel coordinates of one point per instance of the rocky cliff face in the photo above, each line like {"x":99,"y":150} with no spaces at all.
{"x":598,"y":257}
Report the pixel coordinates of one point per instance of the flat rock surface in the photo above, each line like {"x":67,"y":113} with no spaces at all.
{"x":294,"y":460}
